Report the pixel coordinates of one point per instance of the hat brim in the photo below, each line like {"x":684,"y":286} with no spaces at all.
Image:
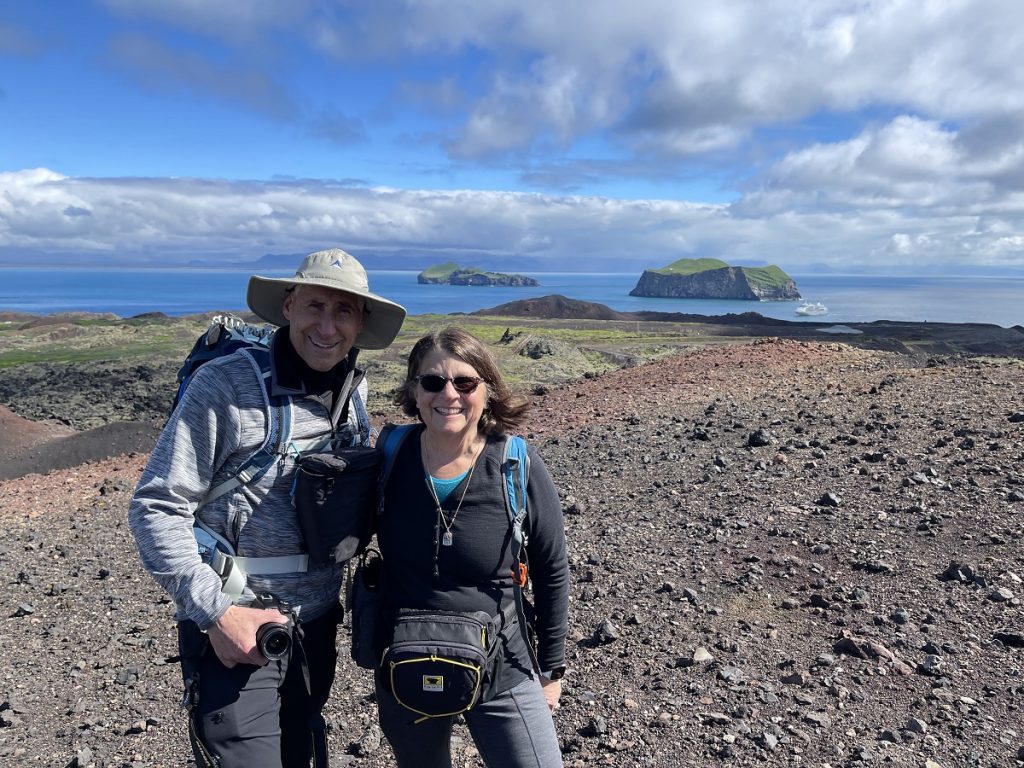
{"x":381,"y":322}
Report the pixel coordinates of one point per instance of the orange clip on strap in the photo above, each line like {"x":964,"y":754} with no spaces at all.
{"x":519,"y":574}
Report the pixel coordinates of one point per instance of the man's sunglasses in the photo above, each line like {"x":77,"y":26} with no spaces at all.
{"x":431,"y":382}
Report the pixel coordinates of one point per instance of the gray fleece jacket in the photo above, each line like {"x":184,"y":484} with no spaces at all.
{"x":220,"y":422}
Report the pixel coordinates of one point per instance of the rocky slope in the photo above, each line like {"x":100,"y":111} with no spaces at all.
{"x":782,"y":553}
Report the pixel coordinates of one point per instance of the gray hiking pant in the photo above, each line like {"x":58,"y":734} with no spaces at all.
{"x":250,"y":716}
{"x":512,"y":730}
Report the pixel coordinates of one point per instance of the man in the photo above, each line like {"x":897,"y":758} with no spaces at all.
{"x":245,"y":711}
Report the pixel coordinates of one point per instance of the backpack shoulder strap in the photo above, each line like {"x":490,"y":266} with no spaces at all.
{"x":279,"y":409}
{"x":515,"y":466}
{"x":279,"y":419}
{"x":362,"y":417}
{"x":389,"y":441}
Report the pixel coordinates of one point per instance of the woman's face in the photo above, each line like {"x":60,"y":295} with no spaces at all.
{"x":450,"y":412}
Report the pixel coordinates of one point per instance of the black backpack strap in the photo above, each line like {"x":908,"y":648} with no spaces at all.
{"x":339,"y":413}
{"x":389,"y":441}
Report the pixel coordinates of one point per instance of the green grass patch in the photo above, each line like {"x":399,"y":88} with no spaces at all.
{"x":142,"y":349}
{"x":690,"y":266}
{"x":449,"y":268}
{"x":766,"y":277}
{"x":441,"y":271}
{"x":131,"y":322}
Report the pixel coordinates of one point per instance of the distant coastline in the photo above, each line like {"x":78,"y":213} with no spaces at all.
{"x":254,"y":268}
{"x":526,"y":266}
{"x":191,"y":290}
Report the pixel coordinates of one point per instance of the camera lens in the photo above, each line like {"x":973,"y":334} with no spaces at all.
{"x":273,"y":640}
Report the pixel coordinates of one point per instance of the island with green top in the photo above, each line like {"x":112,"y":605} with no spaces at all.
{"x":714,"y":279}
{"x":451,"y":273}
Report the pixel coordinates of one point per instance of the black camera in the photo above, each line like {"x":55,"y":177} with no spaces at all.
{"x":273,"y":639}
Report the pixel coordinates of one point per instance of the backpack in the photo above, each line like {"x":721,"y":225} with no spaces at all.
{"x":226,"y":335}
{"x":515,"y":467}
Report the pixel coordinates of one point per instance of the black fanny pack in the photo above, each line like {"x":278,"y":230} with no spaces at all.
{"x":439,"y":662}
{"x":335,"y":495}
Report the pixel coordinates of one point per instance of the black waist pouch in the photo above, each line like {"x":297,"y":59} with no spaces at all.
{"x":438,"y":662}
{"x":335,"y":496}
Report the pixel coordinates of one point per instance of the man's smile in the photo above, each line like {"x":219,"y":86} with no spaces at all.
{"x":322,"y":345}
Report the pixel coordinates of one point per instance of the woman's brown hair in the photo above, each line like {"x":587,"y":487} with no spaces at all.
{"x":505,"y":409}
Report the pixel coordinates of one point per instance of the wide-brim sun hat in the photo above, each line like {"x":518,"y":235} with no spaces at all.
{"x":341,"y":271}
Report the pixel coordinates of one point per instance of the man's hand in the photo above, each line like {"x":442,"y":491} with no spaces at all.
{"x":552,"y":690}
{"x":233,"y":636}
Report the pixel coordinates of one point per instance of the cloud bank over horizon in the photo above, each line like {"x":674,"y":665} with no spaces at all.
{"x":830,"y":134}
{"x":177,"y":220}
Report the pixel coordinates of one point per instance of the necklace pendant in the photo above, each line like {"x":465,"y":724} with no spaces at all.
{"x":446,"y":539}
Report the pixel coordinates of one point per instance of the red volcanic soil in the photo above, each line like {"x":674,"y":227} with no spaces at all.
{"x":29,"y":447}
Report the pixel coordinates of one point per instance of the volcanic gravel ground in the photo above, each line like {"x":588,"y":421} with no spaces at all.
{"x":782,"y":553}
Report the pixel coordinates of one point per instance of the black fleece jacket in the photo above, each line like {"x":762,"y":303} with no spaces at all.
{"x":474,"y":573}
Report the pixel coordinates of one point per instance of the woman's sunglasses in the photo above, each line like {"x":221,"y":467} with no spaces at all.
{"x":431,"y":382}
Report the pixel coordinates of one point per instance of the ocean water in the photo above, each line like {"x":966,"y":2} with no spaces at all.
{"x":849,"y":298}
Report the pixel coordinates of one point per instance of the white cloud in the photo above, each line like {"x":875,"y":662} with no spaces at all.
{"x":565,"y":68}
{"x":909,"y":164}
{"x":670,"y":78}
{"x":176,"y":219}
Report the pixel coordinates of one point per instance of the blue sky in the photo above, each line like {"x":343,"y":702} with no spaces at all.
{"x":846,"y":135}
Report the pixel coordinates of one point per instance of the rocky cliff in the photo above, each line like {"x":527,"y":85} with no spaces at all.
{"x":451,"y":273}
{"x":713,"y":279}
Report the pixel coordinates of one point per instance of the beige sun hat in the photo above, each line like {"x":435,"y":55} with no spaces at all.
{"x":330,"y":269}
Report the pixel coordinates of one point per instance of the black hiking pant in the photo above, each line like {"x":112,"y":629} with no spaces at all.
{"x":268,"y":716}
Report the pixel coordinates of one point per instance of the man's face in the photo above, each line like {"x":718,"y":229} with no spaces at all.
{"x":323,"y":324}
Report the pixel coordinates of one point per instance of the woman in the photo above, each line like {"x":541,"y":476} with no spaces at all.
{"x":445,"y":537}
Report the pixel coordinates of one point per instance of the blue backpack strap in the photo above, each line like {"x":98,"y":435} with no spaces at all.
{"x":279,"y":417}
{"x":515,"y":466}
{"x":280,"y":408}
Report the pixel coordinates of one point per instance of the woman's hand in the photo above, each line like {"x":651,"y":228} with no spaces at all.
{"x":552,"y":690}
